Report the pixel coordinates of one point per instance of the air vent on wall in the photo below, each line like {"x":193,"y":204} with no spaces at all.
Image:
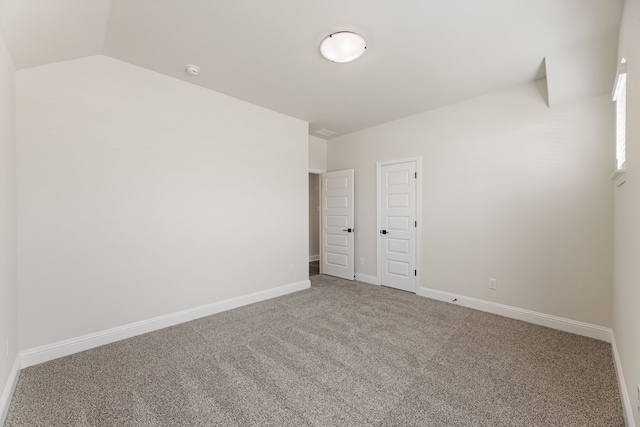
{"x":325,"y":132}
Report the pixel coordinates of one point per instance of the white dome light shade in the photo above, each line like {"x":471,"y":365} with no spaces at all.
{"x":343,"y":47}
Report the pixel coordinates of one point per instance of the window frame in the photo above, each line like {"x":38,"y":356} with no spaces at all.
{"x":619,"y":96}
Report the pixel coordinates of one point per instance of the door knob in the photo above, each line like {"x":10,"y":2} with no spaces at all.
{"x":349,"y":230}
{"x":384,"y":232}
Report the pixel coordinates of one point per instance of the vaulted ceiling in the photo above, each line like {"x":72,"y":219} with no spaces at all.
{"x":421,"y":54}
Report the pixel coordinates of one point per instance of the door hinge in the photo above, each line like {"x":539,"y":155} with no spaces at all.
{"x":415,"y":272}
{"x":415,"y":175}
{"x":415,"y":224}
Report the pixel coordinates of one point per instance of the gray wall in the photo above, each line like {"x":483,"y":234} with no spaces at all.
{"x":511,"y":189}
{"x":626,"y":315}
{"x":138,"y":196}
{"x":8,"y":272}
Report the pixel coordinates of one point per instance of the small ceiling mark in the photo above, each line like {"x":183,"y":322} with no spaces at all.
{"x":194,"y":70}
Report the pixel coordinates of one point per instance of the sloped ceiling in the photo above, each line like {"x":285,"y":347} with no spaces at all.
{"x":422,"y":54}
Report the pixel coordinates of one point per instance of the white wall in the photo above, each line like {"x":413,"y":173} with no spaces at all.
{"x":317,"y":153}
{"x":8,"y":271}
{"x":582,"y":71}
{"x":314,"y":214}
{"x":626,"y":317}
{"x":511,"y":190}
{"x":138,"y":196}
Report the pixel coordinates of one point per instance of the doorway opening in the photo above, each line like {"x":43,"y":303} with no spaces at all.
{"x":314,"y":223}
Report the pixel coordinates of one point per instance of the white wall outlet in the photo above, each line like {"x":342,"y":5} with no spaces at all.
{"x":361,"y":261}
{"x":291,"y":269}
{"x":493,"y":284}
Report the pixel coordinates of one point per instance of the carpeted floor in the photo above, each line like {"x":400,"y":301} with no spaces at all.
{"x":339,"y":354}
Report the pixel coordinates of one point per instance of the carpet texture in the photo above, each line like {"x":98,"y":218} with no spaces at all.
{"x":338,"y":354}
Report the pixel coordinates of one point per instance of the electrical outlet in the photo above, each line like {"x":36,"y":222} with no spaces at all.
{"x":361,"y":261}
{"x":493,"y":284}
{"x":291,"y":269}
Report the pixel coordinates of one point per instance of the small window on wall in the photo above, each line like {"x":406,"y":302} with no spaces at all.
{"x":620,"y":98}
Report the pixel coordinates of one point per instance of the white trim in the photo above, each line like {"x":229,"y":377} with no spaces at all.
{"x":568,"y":325}
{"x":317,"y":171}
{"x":314,"y":258}
{"x":372,"y":280}
{"x":48,"y":352}
{"x":619,"y":96}
{"x":9,"y":388}
{"x":617,"y":174}
{"x":418,"y":254}
{"x":624,"y":394}
{"x":622,"y":69}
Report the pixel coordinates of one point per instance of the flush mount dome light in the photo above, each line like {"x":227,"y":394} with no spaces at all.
{"x":343,"y":47}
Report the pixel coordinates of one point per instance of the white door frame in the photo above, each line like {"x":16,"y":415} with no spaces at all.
{"x":379,"y":166}
{"x":318,"y":172}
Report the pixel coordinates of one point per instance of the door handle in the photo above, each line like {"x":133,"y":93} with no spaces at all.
{"x":350,"y":230}
{"x":384,"y":232}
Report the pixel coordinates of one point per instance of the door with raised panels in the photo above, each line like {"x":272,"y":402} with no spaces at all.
{"x":337,"y":224}
{"x":397,"y":219}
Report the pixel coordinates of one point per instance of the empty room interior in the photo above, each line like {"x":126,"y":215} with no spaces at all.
{"x":464,"y":176}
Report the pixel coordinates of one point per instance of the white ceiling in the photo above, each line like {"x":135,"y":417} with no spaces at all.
{"x":422,"y":54}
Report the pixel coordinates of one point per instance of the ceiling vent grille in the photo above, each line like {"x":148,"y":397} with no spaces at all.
{"x":325,"y":132}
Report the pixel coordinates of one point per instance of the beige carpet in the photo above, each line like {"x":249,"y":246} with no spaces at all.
{"x":339,"y":354}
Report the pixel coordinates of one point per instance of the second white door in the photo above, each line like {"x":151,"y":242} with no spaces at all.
{"x":397,"y":204}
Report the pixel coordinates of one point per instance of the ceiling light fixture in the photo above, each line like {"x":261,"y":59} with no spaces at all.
{"x":343,"y":46}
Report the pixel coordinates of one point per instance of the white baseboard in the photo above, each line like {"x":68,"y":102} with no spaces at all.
{"x":9,"y":388}
{"x":314,"y":258}
{"x":579,"y":328}
{"x":64,"y":348}
{"x":372,"y":280}
{"x":624,"y":394}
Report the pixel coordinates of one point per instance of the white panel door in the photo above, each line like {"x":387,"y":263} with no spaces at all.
{"x":337,"y":224}
{"x":398,"y":210}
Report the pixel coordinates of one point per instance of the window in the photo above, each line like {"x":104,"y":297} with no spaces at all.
{"x":620,"y":98}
